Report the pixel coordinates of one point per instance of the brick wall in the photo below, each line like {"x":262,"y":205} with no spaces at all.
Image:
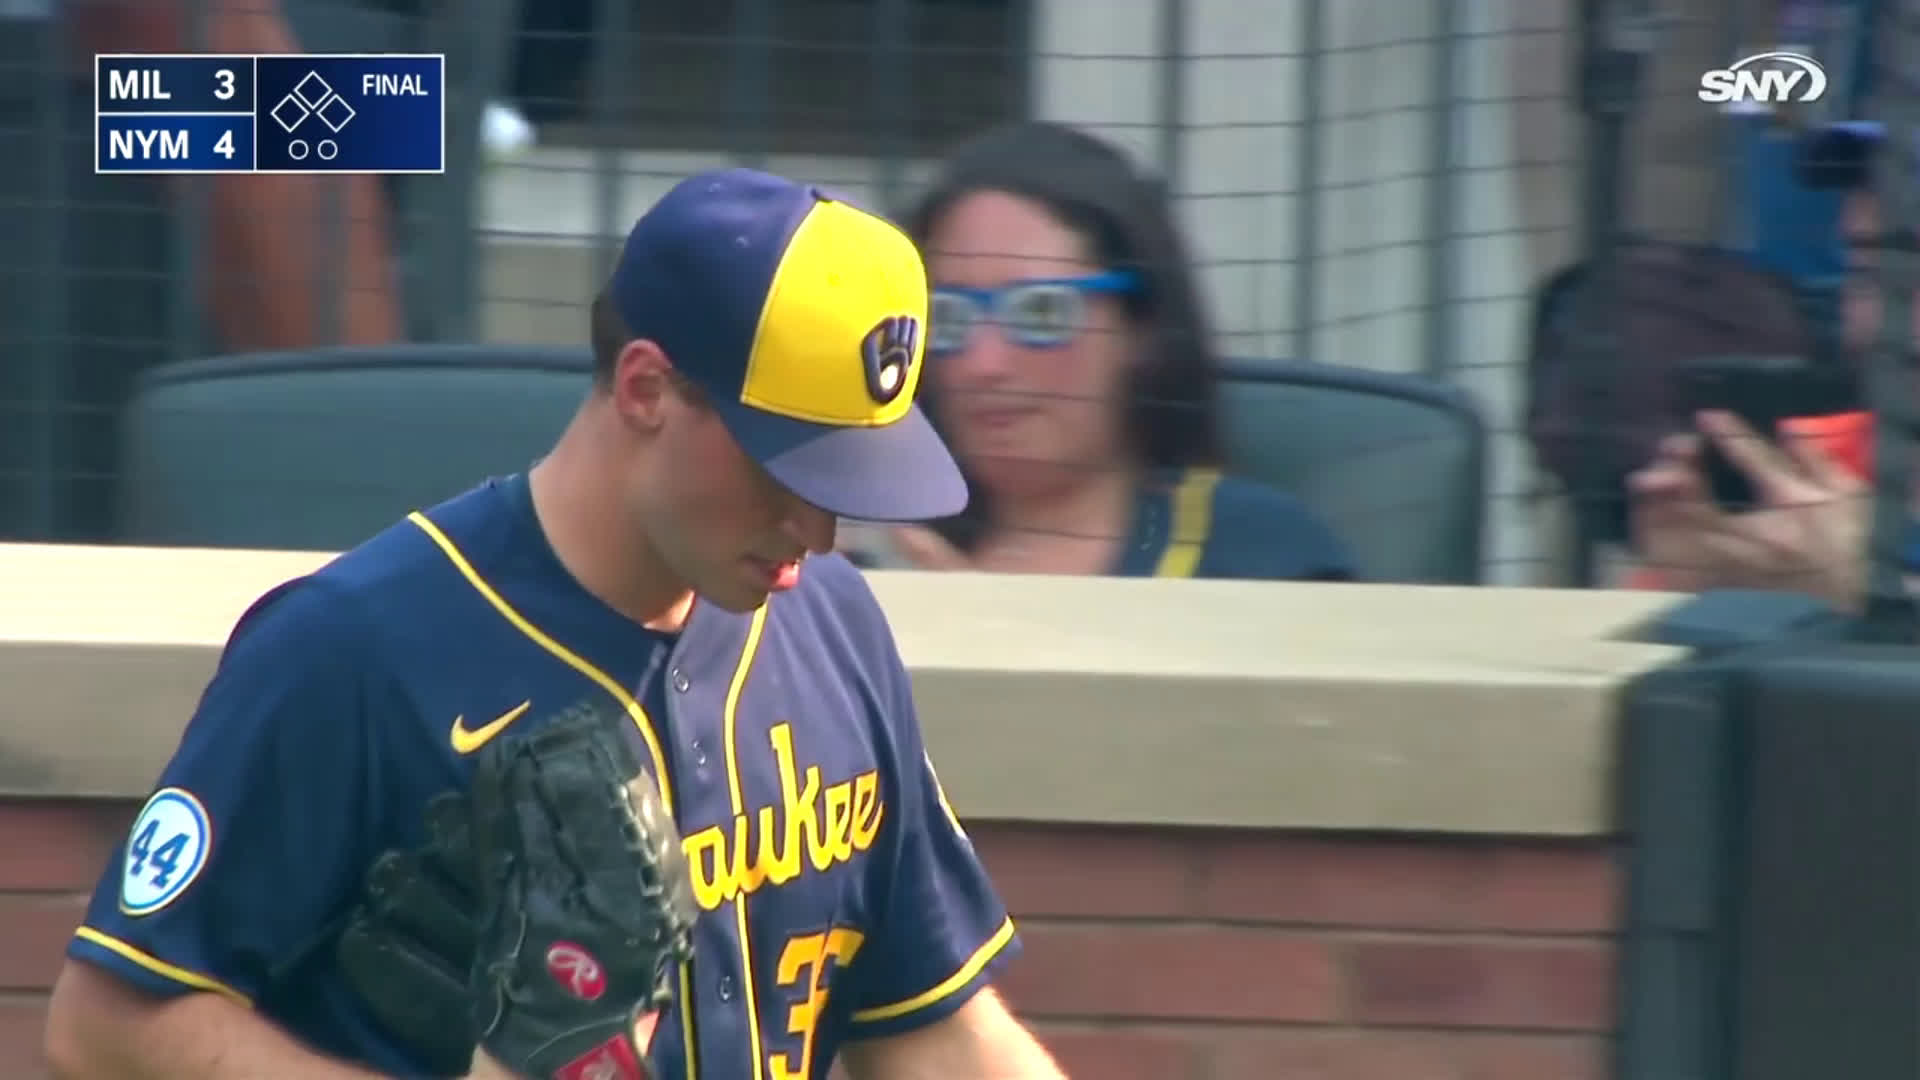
{"x":54,"y":852}
{"x":1156,"y":954}
{"x":1224,"y":955}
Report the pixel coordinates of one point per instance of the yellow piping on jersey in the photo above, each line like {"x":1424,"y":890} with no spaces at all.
{"x":560,"y":652}
{"x":734,"y":688}
{"x":730,"y":714}
{"x":621,"y":694}
{"x":160,"y":967}
{"x":975,"y":964}
{"x":1192,"y":523}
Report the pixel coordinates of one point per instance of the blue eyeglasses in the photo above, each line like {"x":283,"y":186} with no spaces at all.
{"x":1040,"y":313}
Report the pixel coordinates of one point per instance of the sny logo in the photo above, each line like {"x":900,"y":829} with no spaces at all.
{"x":1768,"y":78}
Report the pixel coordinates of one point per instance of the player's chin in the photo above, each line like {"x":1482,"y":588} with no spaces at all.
{"x":737,"y":599}
{"x":749,"y":586}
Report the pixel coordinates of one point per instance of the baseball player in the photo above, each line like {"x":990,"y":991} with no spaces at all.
{"x":757,"y":351}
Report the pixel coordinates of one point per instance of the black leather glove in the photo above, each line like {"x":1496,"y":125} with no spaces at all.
{"x":408,"y":947}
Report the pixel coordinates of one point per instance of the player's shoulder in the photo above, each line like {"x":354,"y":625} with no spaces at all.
{"x":1258,"y":531}
{"x":834,"y":610}
{"x":833,"y":593}
{"x":474,"y":523}
{"x":304,"y":615}
{"x":374,"y":582}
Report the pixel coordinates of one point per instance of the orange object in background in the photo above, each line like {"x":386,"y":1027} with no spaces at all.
{"x":1846,"y":437}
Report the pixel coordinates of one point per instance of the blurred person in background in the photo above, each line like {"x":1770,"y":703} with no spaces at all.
{"x":1071,"y":366}
{"x":1809,"y":532}
{"x":84,"y":313}
{"x":268,"y":235}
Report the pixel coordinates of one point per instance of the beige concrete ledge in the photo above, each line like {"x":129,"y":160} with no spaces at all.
{"x":1073,"y":699}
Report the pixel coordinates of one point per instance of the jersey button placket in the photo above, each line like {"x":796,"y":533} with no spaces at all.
{"x":725,"y":988}
{"x":681,"y":684}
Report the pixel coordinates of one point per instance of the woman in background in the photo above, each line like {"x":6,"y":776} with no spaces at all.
{"x":1072,"y":370}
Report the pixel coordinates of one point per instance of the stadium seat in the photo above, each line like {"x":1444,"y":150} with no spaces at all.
{"x":321,"y":449}
{"x":1396,"y":463}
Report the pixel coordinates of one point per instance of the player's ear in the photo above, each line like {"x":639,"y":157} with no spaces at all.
{"x":641,"y":383}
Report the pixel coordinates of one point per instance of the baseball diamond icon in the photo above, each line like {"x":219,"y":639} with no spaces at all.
{"x":312,"y":97}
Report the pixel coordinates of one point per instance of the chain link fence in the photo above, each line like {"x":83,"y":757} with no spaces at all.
{"x":1371,"y":185}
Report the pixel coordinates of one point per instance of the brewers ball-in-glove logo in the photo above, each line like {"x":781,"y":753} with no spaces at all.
{"x":887,"y":354}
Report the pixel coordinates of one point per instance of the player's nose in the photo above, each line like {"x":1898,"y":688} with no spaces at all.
{"x":811,"y":527}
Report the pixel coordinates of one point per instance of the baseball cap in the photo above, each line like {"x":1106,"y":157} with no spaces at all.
{"x":802,"y":318}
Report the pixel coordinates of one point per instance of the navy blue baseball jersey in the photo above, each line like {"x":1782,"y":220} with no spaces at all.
{"x":841,"y":898}
{"x":1200,"y":523}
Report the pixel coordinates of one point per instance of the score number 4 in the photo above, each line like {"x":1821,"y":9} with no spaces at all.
{"x":224,"y":91}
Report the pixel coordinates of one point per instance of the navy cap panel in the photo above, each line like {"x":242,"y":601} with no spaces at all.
{"x":696,"y":270}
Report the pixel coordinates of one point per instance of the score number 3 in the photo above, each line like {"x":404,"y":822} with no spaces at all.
{"x":803,"y":962}
{"x":224,"y":91}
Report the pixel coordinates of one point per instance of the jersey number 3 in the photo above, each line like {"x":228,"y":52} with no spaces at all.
{"x":803,"y":963}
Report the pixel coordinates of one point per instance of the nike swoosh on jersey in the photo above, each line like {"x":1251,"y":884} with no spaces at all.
{"x":466,"y":740}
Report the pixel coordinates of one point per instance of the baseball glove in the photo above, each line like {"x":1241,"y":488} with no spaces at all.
{"x":561,"y":876}
{"x":409,"y":945}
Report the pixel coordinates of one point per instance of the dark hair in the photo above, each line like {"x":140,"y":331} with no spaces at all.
{"x":607,"y":335}
{"x":1837,"y":159}
{"x":1127,"y":220}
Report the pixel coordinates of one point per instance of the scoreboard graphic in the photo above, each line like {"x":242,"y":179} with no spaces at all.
{"x":361,"y":113}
